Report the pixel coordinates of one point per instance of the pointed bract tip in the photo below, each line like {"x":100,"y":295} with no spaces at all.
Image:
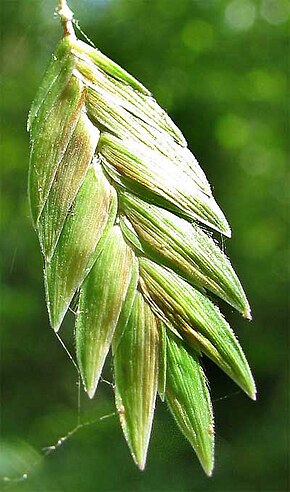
{"x":141,"y":465}
{"x":247,"y":314}
{"x":227,"y":231}
{"x":253,"y":394}
{"x":207,"y":463}
{"x":140,"y":460}
{"x":251,"y":390}
{"x":55,"y":326}
{"x":139,"y":455}
{"x":54,"y":319}
{"x":90,"y":387}
{"x":56,"y":323}
{"x":138,"y":452}
{"x":222,"y":226}
{"x":91,"y":393}
{"x":208,"y":471}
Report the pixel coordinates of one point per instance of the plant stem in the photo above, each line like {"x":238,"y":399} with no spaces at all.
{"x":66,"y":16}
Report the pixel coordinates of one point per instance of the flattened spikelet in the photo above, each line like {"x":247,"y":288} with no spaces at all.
{"x":120,"y":204}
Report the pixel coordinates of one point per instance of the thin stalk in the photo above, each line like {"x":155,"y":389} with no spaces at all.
{"x":66,"y":16}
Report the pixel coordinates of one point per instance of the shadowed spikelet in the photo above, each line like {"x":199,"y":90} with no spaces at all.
{"x":120,"y":206}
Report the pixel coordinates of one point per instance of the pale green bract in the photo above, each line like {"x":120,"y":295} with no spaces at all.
{"x":120,"y":206}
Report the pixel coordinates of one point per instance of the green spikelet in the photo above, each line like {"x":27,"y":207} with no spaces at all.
{"x":120,"y":206}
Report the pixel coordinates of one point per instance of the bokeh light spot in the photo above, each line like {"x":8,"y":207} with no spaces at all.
{"x":232,"y":131}
{"x":266,"y":236}
{"x":198,"y":36}
{"x":275,"y":11}
{"x":262,"y":85}
{"x":240,"y":14}
{"x":257,"y":160}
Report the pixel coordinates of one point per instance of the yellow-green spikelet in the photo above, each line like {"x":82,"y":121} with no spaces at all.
{"x":118,"y":201}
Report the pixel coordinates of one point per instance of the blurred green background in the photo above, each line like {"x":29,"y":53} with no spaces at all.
{"x":219,"y":69}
